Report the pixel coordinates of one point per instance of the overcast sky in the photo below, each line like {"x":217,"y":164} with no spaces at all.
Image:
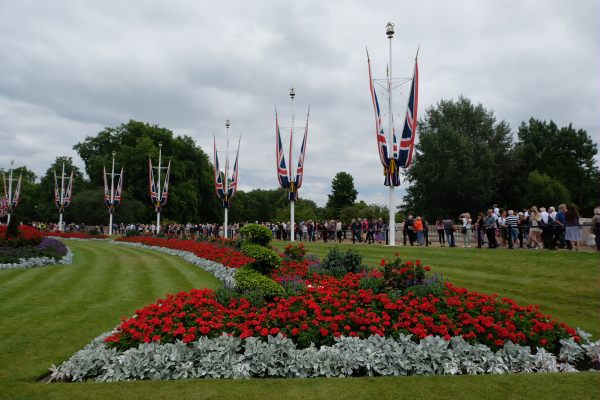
{"x":70,"y":68}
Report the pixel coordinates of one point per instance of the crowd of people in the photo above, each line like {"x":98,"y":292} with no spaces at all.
{"x":529,"y":228}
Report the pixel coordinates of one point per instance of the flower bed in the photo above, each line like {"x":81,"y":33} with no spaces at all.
{"x":333,"y":307}
{"x":48,"y":252}
{"x":221,"y":254}
{"x":27,"y":236}
{"x":74,"y":235}
{"x":395,"y":320}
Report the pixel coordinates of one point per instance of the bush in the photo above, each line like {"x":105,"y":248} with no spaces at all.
{"x":295,"y":252}
{"x":249,"y":280}
{"x":94,"y":232}
{"x":265,"y":259}
{"x":339,"y":263}
{"x":131,"y":233}
{"x":372,"y":282}
{"x":401,"y":276}
{"x":256,"y":234}
{"x":12,"y":230}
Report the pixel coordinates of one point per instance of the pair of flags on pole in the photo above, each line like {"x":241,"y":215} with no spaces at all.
{"x":400,"y":156}
{"x":286,"y":176}
{"x":226,"y":190}
{"x":157,"y":196}
{"x":67,"y":192}
{"x":7,"y":204}
{"x":111,"y":203}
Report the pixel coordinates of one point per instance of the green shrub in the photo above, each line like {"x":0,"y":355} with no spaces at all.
{"x":338,"y":263}
{"x":94,"y":232}
{"x":12,"y":230}
{"x":437,"y":290}
{"x":370,"y":282}
{"x":295,"y":252}
{"x":256,"y":234}
{"x":132,"y":232}
{"x":249,"y":280}
{"x":265,"y":259}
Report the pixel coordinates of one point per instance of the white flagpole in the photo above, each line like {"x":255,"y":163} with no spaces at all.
{"x":159,"y":189}
{"x":226,"y":183}
{"x":112,"y":195}
{"x":10,"y":179}
{"x":292,"y":171}
{"x":392,"y":214}
{"x":62,"y":196}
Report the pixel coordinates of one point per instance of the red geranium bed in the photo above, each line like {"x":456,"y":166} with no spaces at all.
{"x":330,"y":307}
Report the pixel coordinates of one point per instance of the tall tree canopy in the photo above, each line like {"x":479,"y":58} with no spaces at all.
{"x":461,"y":161}
{"x":191,"y":195}
{"x":343,"y":194}
{"x":565,"y":155}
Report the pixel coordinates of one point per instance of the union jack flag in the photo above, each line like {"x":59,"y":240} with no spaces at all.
{"x":219,"y":186}
{"x":381,"y":139}
{"x":66,"y":201}
{"x":165,"y":193}
{"x":282,"y":170}
{"x":3,"y":206}
{"x":152,"y":183}
{"x":16,"y":195}
{"x":300,"y":167}
{"x":118,"y":190}
{"x":232,"y":188}
{"x":407,"y":142}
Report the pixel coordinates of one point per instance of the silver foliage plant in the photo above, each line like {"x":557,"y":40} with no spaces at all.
{"x":221,"y":272}
{"x":32,"y":262}
{"x":234,"y":358}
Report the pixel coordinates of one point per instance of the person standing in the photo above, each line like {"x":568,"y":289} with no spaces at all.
{"x":466,"y":229}
{"x":535,"y":230}
{"x":418,"y":225}
{"x":449,"y":231}
{"x":439,"y":227}
{"x":512,"y":225}
{"x":479,"y":226}
{"x":409,"y":228}
{"x":596,"y":226}
{"x":338,"y":231}
{"x":572,"y":233}
{"x":355,"y":230}
{"x":490,"y":229}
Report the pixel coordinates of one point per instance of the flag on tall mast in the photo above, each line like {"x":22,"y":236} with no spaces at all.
{"x":394,"y":154}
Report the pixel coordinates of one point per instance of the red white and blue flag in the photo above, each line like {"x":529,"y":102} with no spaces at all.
{"x":165,"y":192}
{"x":152,"y":183}
{"x":409,"y":132}
{"x":219,"y":186}
{"x":118,"y":190}
{"x":282,"y":170}
{"x":232,"y":188}
{"x":300,"y":168}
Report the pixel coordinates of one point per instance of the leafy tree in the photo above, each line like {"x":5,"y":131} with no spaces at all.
{"x":191,"y":194}
{"x":461,"y":161}
{"x":363,"y":210}
{"x":343,"y":194}
{"x":565,"y":155}
{"x":541,"y":190}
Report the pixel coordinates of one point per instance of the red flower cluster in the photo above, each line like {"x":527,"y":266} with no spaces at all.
{"x":333,"y":307}
{"x":27,"y":235}
{"x":74,"y":235}
{"x":224,"y":255}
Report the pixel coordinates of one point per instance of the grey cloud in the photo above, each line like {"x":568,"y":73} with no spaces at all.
{"x":67,"y":69}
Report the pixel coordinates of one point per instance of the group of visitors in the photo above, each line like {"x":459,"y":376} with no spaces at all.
{"x":552,"y":228}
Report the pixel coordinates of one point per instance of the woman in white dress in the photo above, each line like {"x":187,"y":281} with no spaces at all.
{"x":572,"y":231}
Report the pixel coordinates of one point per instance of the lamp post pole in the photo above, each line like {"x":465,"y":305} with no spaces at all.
{"x":112,"y":195}
{"x":292,"y":172}
{"x":158,"y":190}
{"x":10,"y":199}
{"x":62,"y":199}
{"x":226,"y":187}
{"x":392,"y":215}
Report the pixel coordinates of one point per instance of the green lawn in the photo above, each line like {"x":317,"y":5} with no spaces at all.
{"x":49,"y":313}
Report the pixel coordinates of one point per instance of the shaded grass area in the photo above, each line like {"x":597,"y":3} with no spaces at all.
{"x":49,"y":313}
{"x":565,"y":284}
